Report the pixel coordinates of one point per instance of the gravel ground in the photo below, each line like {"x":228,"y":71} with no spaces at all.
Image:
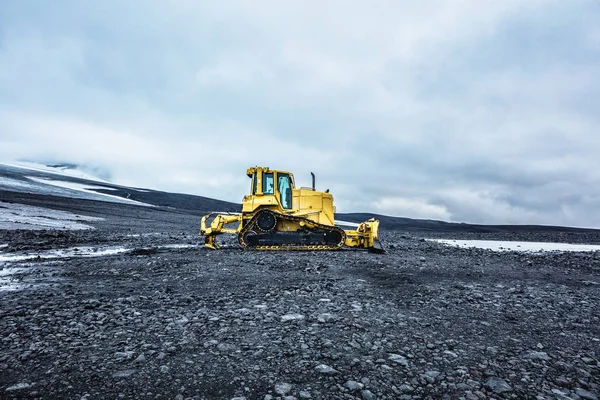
{"x":165,"y":318}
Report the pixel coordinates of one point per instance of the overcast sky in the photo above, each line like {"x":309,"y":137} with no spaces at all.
{"x":464,"y":110}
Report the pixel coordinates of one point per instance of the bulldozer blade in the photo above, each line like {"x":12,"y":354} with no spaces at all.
{"x":377,"y":248}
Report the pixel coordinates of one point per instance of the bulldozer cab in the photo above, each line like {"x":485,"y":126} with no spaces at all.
{"x":276,"y":190}
{"x":269,"y":187}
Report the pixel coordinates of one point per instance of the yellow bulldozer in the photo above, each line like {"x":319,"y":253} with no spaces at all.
{"x":278,"y":216}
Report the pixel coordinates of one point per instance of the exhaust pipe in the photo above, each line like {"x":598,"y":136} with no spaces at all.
{"x":313,"y":180}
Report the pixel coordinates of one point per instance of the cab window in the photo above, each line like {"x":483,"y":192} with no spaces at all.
{"x":268,"y":183}
{"x":285,"y":190}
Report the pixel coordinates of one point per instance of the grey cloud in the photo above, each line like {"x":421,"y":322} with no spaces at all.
{"x":467,"y":111}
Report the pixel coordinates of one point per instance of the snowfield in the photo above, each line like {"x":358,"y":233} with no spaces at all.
{"x":85,"y":251}
{"x":88,"y":189}
{"x":500,"y":245}
{"x":21,"y":216}
{"x":63,"y":171}
{"x":63,"y":182}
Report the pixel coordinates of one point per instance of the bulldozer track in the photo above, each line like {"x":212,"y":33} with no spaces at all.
{"x":308,"y":227}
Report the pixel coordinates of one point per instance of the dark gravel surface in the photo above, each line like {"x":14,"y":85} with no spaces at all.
{"x":164,"y":321}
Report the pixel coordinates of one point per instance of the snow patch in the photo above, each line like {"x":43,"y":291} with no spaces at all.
{"x":8,"y":285}
{"x":27,"y":276}
{"x":346,"y":223}
{"x":63,"y":253}
{"x":64,"y":171}
{"x":505,"y":245}
{"x":16,"y":184}
{"x":178,"y":246}
{"x":82,"y":251}
{"x":87,"y":189}
{"x":11,"y":271}
{"x":18,"y":386}
{"x":21,"y":216}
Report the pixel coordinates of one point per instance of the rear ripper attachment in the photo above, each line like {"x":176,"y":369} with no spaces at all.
{"x":278,"y":216}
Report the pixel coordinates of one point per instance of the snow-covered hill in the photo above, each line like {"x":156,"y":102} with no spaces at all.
{"x":70,"y":170}
{"x":67,"y":182}
{"x":60,"y":181}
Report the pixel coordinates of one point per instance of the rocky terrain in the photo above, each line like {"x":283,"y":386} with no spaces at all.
{"x":136,"y":308}
{"x":143,"y":312}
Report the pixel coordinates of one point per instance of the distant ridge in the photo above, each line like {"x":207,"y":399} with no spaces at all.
{"x":428,"y":225}
{"x":39,"y":180}
{"x":52,"y":181}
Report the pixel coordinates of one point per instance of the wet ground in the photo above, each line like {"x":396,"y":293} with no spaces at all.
{"x":135,"y":308}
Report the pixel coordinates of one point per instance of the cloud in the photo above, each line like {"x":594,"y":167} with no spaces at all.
{"x":468,"y":111}
{"x":417,"y":208}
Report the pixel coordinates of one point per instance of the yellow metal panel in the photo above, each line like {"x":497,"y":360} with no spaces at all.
{"x":317,"y":206}
{"x":327,"y":209}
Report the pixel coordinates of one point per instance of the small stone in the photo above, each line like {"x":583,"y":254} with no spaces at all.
{"x":164,"y":369}
{"x":406,"y":388}
{"x":562,"y":382}
{"x":498,"y":385}
{"x":209,"y":343}
{"x":433,"y":374}
{"x":18,"y":386}
{"x":450,"y":353}
{"x":141,"y":358}
{"x":367,"y":395}
{"x":124,"y":355}
{"x":282,"y":388}
{"x":353,"y":385}
{"x":473,"y":383}
{"x":584,"y":394}
{"x":325,"y":369}
{"x":124,"y":373}
{"x":398,"y":359}
{"x":225,"y":347}
{"x":233,"y":398}
{"x":304,"y":394}
{"x":564,"y":395}
{"x":325,"y":317}
{"x":537,"y":355}
{"x":292,"y":317}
